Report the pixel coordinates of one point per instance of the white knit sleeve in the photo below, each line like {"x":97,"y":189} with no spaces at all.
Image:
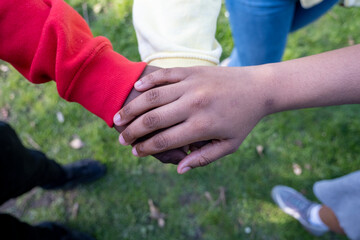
{"x":175,"y":33}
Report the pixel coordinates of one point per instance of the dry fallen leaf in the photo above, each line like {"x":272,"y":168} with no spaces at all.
{"x":97,"y":8}
{"x":76,"y":143}
{"x":60,"y":117}
{"x":74,"y":210}
{"x":222,"y":198}
{"x":209,"y":197}
{"x":260,"y":150}
{"x":4,"y":68}
{"x":297,"y":169}
{"x":4,"y":113}
{"x":32,"y":142}
{"x":156,"y":214}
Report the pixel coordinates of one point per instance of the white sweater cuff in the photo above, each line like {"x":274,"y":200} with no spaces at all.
{"x":177,"y":32}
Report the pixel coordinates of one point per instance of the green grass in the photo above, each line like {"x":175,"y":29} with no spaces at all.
{"x":324,"y":142}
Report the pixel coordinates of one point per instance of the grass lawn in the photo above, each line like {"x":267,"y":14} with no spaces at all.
{"x":324,"y":143}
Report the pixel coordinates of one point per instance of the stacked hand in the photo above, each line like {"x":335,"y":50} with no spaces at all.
{"x":219,"y":106}
{"x":173,"y":156}
{"x":189,"y":105}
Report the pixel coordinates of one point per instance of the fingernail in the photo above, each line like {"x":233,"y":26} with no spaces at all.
{"x":185,"y":169}
{"x":135,"y":152}
{"x":117,"y":119}
{"x":122,"y":140}
{"x":138,"y":84}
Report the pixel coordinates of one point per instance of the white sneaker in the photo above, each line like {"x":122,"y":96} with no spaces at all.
{"x":296,"y":205}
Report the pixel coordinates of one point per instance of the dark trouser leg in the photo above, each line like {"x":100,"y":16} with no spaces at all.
{"x":22,"y":169}
{"x":17,"y":230}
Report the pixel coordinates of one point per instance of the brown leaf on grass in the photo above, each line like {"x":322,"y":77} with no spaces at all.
{"x":260,"y":150}
{"x":32,"y":142}
{"x":74,"y":210}
{"x":297,"y":169}
{"x":155,"y":214}
{"x":60,"y":117}
{"x":221,"y":199}
{"x":5,"y":113}
{"x":4,"y":68}
{"x":307,"y":166}
{"x":76,"y":142}
{"x":209,"y":197}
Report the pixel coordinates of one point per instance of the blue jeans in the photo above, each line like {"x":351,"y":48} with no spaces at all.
{"x":260,"y":27}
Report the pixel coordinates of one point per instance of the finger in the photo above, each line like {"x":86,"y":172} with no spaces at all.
{"x":174,"y":137}
{"x":148,"y":100}
{"x":156,"y":119}
{"x":161,"y":77}
{"x":207,"y":154}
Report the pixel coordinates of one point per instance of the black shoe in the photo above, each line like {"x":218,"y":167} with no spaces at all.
{"x":59,"y":231}
{"x":79,"y":172}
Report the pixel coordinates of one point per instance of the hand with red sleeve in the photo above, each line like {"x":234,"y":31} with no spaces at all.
{"x":48,"y":40}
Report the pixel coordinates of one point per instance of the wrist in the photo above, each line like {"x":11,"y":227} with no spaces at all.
{"x":265,"y":88}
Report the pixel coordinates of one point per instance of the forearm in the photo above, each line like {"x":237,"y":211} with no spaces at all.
{"x":331,"y":78}
{"x":48,"y":40}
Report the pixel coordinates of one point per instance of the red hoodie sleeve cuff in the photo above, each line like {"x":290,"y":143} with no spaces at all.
{"x":103,"y":84}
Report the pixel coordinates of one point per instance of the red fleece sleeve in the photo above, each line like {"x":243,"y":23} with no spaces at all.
{"x":48,"y":40}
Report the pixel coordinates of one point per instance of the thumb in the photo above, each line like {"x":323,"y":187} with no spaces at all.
{"x":207,"y":154}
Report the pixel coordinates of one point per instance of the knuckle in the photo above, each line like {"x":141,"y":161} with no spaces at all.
{"x":126,"y":111}
{"x":151,"y":120}
{"x":127,"y":136}
{"x":140,"y":149}
{"x":166,"y":73}
{"x":150,"y":78}
{"x":201,"y":100}
{"x":204,"y":160}
{"x":161,"y":142}
{"x":153,"y":96}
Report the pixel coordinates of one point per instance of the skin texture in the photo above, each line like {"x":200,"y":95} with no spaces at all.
{"x":222,"y":105}
{"x":173,"y":156}
{"x":194,"y":105}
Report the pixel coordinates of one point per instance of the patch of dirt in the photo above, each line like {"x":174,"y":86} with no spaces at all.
{"x":38,"y":198}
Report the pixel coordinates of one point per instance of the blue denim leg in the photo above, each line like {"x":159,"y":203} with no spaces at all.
{"x":304,"y":17}
{"x":260,"y":27}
